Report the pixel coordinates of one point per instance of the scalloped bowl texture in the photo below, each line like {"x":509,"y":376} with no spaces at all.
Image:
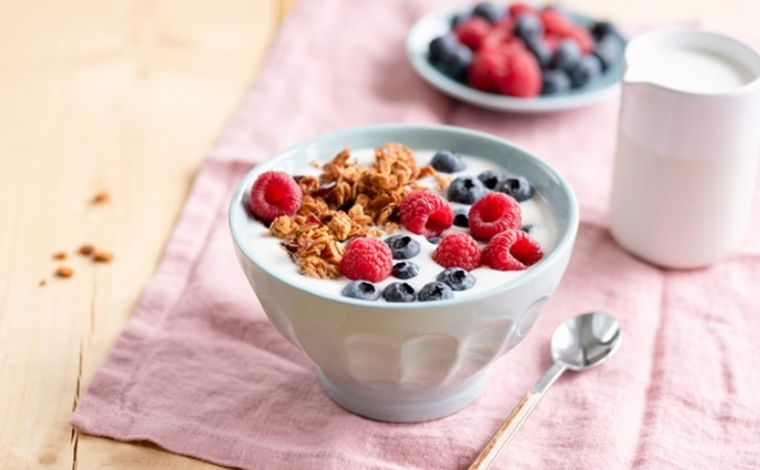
{"x":422,"y":360}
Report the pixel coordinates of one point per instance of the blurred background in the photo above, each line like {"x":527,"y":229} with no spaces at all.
{"x":126,"y":96}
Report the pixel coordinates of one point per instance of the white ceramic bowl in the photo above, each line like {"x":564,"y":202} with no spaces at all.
{"x":422,"y":360}
{"x":436,"y":24}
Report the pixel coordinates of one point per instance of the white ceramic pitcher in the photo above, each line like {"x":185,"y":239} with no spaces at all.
{"x":688,"y":147}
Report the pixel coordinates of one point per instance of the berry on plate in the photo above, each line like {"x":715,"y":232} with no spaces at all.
{"x":528,"y":26}
{"x":405,"y":270}
{"x":458,"y":250}
{"x":362,"y":290}
{"x":449,"y":56}
{"x":586,"y":70}
{"x":399,"y":292}
{"x":555,"y":81}
{"x":583,"y":38}
{"x":512,"y":250}
{"x":603,"y":29}
{"x":541,"y":51}
{"x":456,"y":278}
{"x":608,"y":50}
{"x":435,"y":291}
{"x":521,"y":74}
{"x":518,"y":187}
{"x":567,"y":55}
{"x":519,"y":8}
{"x":366,"y":258}
{"x":492,"y":214}
{"x":403,"y":246}
{"x":274,"y":193}
{"x":465,"y":189}
{"x":425,"y":213}
{"x":486,"y":65}
{"x":446,"y":161}
{"x":472,"y":32}
{"x":488,"y":11}
{"x":555,"y":21}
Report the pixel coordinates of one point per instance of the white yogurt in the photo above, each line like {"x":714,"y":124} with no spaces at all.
{"x":535,"y":212}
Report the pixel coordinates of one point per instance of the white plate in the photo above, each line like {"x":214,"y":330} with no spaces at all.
{"x":436,"y":24}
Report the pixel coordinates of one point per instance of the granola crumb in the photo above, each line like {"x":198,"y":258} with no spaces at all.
{"x":64,"y":272}
{"x":86,"y":249}
{"x":60,"y":255}
{"x":42,"y":283}
{"x":101,"y":197}
{"x":102,"y":256}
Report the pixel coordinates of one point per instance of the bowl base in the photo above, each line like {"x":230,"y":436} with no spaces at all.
{"x":403,"y":406}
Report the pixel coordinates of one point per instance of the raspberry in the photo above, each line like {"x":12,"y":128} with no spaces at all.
{"x":273,"y":194}
{"x":520,"y":74}
{"x":513,"y":250}
{"x":492,"y":214}
{"x":366,"y":258}
{"x":555,"y":22}
{"x":583,"y":38}
{"x":426,"y":213}
{"x":458,"y":250}
{"x":519,"y":8}
{"x":483,"y":71}
{"x":553,"y":40}
{"x":472,"y":32}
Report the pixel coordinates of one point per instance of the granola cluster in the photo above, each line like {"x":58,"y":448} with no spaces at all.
{"x":347,"y":201}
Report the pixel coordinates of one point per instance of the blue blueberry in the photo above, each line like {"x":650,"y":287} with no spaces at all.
{"x":487,"y":11}
{"x":450,"y":56}
{"x":567,"y":55}
{"x":456,"y":20}
{"x":518,"y":187}
{"x":603,"y":29}
{"x":465,"y":189}
{"x":441,"y":46}
{"x":403,"y":246}
{"x":447,"y":161}
{"x":362,"y":290}
{"x":405,"y":270}
{"x":399,"y":292}
{"x":456,"y":278}
{"x":554,"y":81}
{"x":435,"y":291}
{"x":608,"y":50}
{"x":528,"y":26}
{"x":540,"y":50}
{"x":434,"y":240}
{"x":586,"y":70}
{"x":491,"y":179}
{"x":461,"y":217}
{"x":527,"y":228}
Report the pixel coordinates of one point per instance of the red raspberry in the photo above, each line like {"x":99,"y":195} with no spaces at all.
{"x":484,"y":69}
{"x":492,"y":214}
{"x":519,"y":8}
{"x":583,"y":38}
{"x":366,"y":258}
{"x":501,"y":34}
{"x":553,"y":40}
{"x":513,"y":250}
{"x":426,"y":213}
{"x":520,"y":75}
{"x":273,"y":194}
{"x":472,"y":32}
{"x":555,"y":22}
{"x":458,"y":250}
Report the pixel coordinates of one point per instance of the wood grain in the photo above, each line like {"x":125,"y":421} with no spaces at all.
{"x":125,"y":95}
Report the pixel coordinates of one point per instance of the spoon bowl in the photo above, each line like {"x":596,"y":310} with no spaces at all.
{"x":586,"y":340}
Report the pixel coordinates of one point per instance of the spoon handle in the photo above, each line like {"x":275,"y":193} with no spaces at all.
{"x":519,"y":414}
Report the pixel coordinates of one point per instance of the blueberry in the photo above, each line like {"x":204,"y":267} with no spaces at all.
{"x":540,"y":50}
{"x":517,"y":187}
{"x":466,"y":190}
{"x":567,"y":55}
{"x":456,"y":20}
{"x":527,"y":228}
{"x":453,"y":58}
{"x":456,"y":278}
{"x":608,"y":50}
{"x":461,"y":217}
{"x":399,"y":292}
{"x":403,"y":246}
{"x":554,"y":81}
{"x":603,"y":29}
{"x":440,"y":46}
{"x":405,"y":270}
{"x":435,"y":291}
{"x":361,"y":290}
{"x":586,"y":70}
{"x":487,"y":11}
{"x":447,"y":161}
{"x":434,"y":240}
{"x":491,"y":179}
{"x":528,"y":26}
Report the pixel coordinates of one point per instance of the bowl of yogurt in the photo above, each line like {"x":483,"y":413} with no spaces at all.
{"x":428,"y":355}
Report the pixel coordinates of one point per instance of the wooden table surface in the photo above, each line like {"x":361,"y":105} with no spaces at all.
{"x":125,"y":96}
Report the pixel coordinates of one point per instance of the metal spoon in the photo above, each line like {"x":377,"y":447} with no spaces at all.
{"x":578,"y":344}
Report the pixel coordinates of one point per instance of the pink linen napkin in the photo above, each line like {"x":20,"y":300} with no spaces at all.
{"x":200,"y":371}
